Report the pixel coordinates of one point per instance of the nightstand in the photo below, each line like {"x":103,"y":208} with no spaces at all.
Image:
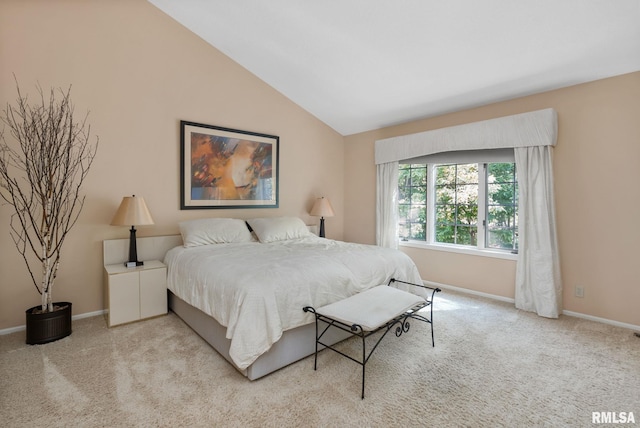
{"x":132,"y":294}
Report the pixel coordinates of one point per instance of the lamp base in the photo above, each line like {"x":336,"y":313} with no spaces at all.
{"x":133,"y":250}
{"x":133,"y":264}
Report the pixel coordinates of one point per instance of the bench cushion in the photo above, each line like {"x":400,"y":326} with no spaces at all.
{"x":371,"y":308}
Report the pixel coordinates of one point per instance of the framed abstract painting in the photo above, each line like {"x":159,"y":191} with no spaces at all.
{"x":227,"y":168}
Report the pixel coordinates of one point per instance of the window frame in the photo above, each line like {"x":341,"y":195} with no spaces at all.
{"x":482,"y":228}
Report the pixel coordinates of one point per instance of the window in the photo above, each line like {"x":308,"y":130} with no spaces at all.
{"x":467,"y":204}
{"x":502,"y":207}
{"x":412,"y":201}
{"x":456,"y":204}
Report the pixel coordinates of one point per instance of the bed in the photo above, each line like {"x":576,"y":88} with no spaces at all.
{"x":241,"y":285}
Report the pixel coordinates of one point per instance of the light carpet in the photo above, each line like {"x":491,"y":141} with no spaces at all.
{"x":492,"y":366}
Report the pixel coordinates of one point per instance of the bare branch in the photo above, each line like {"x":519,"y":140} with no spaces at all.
{"x":41,"y":174}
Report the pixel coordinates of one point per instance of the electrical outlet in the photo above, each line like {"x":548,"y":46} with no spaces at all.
{"x":579,"y":291}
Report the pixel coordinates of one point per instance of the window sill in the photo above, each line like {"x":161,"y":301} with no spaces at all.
{"x":460,"y":250}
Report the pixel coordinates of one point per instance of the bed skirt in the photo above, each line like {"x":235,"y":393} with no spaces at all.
{"x":294,"y":344}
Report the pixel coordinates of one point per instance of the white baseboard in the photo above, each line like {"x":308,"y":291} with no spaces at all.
{"x":467,"y":291}
{"x":509,"y":300}
{"x":602,"y":320}
{"x":74,"y":317}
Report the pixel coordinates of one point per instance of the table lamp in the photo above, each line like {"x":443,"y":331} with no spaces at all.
{"x":132,"y":211}
{"x":322,"y":208}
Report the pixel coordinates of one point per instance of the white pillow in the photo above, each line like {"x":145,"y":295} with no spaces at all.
{"x":214,"y":231}
{"x":271,"y":229}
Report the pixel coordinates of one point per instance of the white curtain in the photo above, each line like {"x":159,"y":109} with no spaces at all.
{"x":387,"y":205}
{"x":531,"y":135}
{"x":538,"y":284}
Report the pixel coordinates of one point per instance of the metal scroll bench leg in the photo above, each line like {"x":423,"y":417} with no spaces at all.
{"x":372,"y":311}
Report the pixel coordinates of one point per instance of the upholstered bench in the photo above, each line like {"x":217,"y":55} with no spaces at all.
{"x":377,"y":309}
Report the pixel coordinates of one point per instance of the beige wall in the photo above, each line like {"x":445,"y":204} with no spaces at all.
{"x":597,"y":176}
{"x":139,"y":73}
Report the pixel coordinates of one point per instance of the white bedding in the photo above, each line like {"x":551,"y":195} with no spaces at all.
{"x":257,"y":290}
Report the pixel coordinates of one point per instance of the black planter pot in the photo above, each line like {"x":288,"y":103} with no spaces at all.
{"x":49,"y":326}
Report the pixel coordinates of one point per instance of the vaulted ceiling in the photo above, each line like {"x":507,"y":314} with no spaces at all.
{"x":359,"y":65}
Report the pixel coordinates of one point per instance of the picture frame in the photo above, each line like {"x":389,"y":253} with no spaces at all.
{"x":227,"y":168}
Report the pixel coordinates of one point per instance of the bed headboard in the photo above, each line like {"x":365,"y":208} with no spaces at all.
{"x":149,"y":248}
{"x":116,"y":251}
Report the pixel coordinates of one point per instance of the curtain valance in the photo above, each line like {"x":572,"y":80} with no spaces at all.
{"x":536,"y":128}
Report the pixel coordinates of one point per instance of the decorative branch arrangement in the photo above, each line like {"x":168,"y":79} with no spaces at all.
{"x":41,"y":176}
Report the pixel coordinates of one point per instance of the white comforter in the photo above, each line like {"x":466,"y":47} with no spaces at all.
{"x":258,"y":290}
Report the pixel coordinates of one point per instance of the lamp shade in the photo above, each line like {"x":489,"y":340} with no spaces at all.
{"x":132,"y":211}
{"x":322,"y":208}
